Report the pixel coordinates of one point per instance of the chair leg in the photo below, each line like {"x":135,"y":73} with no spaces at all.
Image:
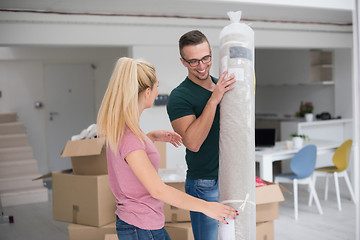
{"x":276,"y":180}
{"x":326,"y":187}
{"x":313,"y":192}
{"x":347,"y":180}
{"x":295,"y":186}
{"x":336,"y":179}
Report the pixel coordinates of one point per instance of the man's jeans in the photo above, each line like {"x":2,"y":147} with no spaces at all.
{"x":204,"y":227}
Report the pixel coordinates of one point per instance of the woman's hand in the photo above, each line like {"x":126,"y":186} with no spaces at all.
{"x":166,"y":136}
{"x":220,"y":211}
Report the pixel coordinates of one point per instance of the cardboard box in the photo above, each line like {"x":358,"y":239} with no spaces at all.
{"x":111,"y":237}
{"x":267,"y":202}
{"x":83,"y":199}
{"x":81,"y":232}
{"x":180,"y":231}
{"x":161,"y":147}
{"x":265,"y":230}
{"x":174,"y":214}
{"x":183,"y":231}
{"x":88,"y":156}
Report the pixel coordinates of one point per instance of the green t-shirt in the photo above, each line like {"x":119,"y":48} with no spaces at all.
{"x":190,"y":99}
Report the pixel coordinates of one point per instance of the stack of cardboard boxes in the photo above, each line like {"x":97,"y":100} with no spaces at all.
{"x":83,"y":198}
{"x":267,"y":210}
{"x":178,"y":223}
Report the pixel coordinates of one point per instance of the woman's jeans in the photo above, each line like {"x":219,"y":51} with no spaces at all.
{"x":204,"y":227}
{"x":129,"y":232}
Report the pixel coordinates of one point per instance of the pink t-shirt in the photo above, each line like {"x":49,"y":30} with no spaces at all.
{"x":134,"y":203}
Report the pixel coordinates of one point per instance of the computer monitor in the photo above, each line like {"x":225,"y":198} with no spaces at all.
{"x":265,"y":137}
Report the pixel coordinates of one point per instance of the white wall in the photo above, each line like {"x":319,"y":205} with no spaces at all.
{"x":170,"y":73}
{"x":100,"y":41}
{"x":22,"y":83}
{"x":283,"y":77}
{"x":79,"y":30}
{"x":343,"y":85}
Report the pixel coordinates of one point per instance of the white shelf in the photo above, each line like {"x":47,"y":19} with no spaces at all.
{"x":321,"y":63}
{"x":323,"y":83}
{"x":322,"y":66}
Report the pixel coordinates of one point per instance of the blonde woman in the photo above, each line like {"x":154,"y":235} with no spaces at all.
{"x":133,"y":160}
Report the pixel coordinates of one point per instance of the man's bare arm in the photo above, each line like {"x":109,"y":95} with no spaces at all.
{"x":195,"y":130}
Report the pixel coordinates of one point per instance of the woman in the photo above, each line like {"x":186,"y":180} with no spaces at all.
{"x":133,"y":160}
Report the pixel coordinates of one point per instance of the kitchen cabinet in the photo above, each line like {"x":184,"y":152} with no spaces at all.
{"x":332,"y":130}
{"x":321,"y":66}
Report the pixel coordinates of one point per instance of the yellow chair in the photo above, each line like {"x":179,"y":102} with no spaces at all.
{"x":341,"y":160}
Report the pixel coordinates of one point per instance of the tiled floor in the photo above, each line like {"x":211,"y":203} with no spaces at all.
{"x":332,"y":225}
{"x":34,"y":221}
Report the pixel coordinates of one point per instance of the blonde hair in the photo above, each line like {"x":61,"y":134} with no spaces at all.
{"x":119,"y":107}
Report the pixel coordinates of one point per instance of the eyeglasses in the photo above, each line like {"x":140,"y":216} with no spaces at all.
{"x":196,"y":62}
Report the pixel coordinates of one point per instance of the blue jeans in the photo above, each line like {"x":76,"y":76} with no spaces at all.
{"x":204,"y":227}
{"x":126,"y":231}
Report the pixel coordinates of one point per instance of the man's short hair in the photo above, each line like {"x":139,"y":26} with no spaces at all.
{"x":193,"y":37}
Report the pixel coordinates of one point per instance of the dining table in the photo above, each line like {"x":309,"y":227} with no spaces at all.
{"x":281,"y":151}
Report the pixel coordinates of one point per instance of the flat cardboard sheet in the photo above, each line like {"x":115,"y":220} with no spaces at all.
{"x":86,"y":147}
{"x":268,"y":194}
{"x":88,"y":156}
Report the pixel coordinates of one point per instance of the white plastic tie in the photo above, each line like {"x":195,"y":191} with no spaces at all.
{"x":234,"y":16}
{"x":242,"y":207}
{"x":243,"y":202}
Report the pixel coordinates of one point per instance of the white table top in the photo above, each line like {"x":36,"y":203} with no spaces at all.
{"x":280,"y":149}
{"x":267,"y":156}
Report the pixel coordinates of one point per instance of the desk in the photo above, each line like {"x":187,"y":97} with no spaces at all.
{"x":266,"y":157}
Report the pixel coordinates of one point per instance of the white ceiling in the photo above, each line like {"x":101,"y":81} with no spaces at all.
{"x":318,"y":11}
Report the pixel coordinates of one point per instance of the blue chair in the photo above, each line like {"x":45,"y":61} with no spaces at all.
{"x":302,"y":166}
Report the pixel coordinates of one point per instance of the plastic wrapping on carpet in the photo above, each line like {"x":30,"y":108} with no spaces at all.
{"x":237,"y":120}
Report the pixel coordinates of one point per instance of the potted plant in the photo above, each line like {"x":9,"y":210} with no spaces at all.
{"x":306,"y":110}
{"x":298,"y":140}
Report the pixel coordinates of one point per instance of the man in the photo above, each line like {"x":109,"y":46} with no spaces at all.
{"x":193,"y":109}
